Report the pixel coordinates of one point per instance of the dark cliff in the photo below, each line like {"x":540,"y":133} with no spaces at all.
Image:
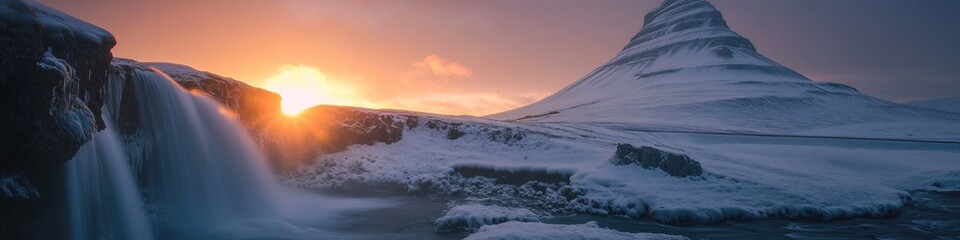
{"x":52,"y":73}
{"x":53,"y":68}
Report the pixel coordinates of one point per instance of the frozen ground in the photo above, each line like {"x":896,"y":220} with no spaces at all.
{"x":528,"y":230}
{"x":473,"y":216}
{"x":567,"y":170}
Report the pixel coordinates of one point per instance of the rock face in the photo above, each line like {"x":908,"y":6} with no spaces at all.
{"x":255,"y":107}
{"x":53,"y":68}
{"x":676,"y":165}
{"x":687,"y":70}
{"x":329,"y":129}
{"x":52,"y":71}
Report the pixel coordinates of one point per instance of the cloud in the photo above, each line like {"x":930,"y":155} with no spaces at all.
{"x":442,"y":67}
{"x":433,"y":84}
{"x":468,"y":103}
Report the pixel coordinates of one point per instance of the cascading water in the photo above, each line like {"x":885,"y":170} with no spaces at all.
{"x":198,"y":166}
{"x":103,"y":199}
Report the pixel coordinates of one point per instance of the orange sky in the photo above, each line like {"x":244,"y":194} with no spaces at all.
{"x":481,"y":57}
{"x":435,"y":56}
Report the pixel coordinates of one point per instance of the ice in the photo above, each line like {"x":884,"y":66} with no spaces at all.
{"x":59,"y":24}
{"x":17,"y":187}
{"x":534,"y":230}
{"x":473,"y":216}
{"x":65,"y":104}
{"x":744,"y":176}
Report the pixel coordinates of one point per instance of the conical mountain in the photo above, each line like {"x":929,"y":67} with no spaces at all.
{"x":687,"y":70}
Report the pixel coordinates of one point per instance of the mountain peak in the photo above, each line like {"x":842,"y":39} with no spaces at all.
{"x":692,"y":27}
{"x":686,"y":69}
{"x":678,"y":17}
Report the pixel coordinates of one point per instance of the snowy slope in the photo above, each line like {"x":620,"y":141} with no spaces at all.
{"x":687,"y":70}
{"x":686,"y":84}
{"x":946,"y":104}
{"x":566,"y":168}
{"x":55,"y":22}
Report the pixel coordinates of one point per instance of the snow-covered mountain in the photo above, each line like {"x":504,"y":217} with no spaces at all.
{"x":687,"y":70}
{"x":945,"y":104}
{"x":586,"y":150}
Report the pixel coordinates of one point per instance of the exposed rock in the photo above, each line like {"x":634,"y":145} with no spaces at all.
{"x":515,"y":175}
{"x":255,"y":107}
{"x":677,"y":165}
{"x":52,"y":70}
{"x":454,"y":133}
{"x":52,"y":73}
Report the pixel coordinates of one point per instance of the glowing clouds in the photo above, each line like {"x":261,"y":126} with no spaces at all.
{"x":443,"y":67}
{"x":431,"y":84}
{"x":302,"y":87}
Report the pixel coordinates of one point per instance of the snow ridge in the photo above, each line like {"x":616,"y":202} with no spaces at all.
{"x":687,"y":70}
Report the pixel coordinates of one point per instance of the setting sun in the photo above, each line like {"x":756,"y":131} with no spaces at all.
{"x":302,"y":87}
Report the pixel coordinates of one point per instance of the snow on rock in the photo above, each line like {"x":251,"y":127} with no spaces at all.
{"x":253,"y":106}
{"x":687,"y":70}
{"x":60,"y":25}
{"x":473,"y":216}
{"x":52,"y":75}
{"x":677,"y":165}
{"x":534,"y":230}
{"x":16,"y":187}
{"x":71,"y":113}
{"x":566,"y":168}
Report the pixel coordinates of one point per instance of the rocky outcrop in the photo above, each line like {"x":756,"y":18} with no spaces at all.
{"x":677,"y":165}
{"x":329,"y":129}
{"x":52,"y":70}
{"x":255,"y":107}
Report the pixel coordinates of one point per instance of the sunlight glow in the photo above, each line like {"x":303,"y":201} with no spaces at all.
{"x":302,"y":87}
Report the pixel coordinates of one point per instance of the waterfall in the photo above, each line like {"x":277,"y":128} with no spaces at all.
{"x":103,"y":199}
{"x":199,"y":167}
{"x":195,"y":166}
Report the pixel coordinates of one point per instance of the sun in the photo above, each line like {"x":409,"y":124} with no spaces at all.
{"x":302,"y":87}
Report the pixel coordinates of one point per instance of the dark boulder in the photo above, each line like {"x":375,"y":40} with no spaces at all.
{"x":677,"y":165}
{"x":52,"y":71}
